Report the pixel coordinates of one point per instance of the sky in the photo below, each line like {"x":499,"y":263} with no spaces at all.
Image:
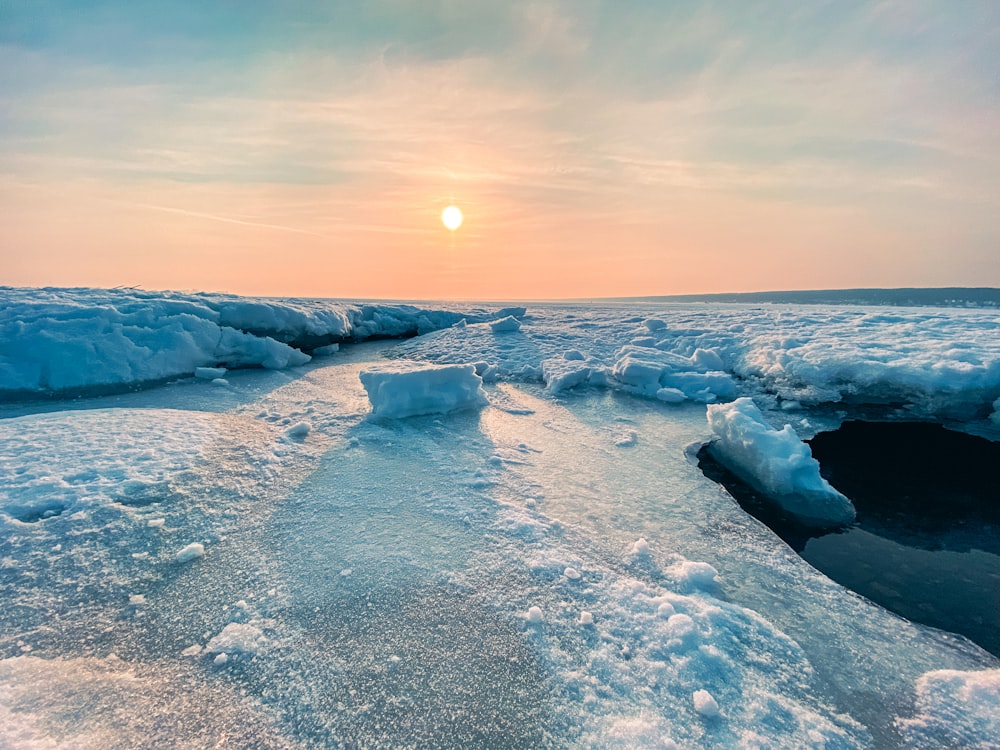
{"x":596,"y":148}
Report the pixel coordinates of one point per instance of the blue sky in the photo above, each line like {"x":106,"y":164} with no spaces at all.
{"x":596,"y":148}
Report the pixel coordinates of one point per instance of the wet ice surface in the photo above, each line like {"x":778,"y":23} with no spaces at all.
{"x":551,"y":570}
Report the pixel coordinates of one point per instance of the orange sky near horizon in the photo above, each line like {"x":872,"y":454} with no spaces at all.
{"x":594,"y":153}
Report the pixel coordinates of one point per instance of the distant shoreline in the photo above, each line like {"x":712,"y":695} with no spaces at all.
{"x":908,"y":297}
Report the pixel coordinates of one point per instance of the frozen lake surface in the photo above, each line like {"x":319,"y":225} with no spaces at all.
{"x":530,"y":557}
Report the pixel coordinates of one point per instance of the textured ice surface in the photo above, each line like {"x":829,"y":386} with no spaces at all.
{"x":777,"y":463}
{"x":955,"y":709}
{"x":54,"y":340}
{"x":372,"y":583}
{"x":403,"y":390}
{"x":935,"y":361}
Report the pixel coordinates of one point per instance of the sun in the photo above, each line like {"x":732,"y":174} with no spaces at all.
{"x":451,"y":217}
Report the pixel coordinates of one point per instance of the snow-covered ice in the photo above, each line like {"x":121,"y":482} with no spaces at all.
{"x":777,"y":462}
{"x":401,"y":390}
{"x":524,"y":554}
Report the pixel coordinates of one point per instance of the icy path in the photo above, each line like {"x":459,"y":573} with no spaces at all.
{"x":371,"y":583}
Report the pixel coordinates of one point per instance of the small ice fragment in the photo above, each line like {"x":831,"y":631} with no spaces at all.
{"x":220,"y":660}
{"x":653,"y":324}
{"x":209,"y":373}
{"x":534,"y":615}
{"x":156,"y":522}
{"x":394,"y":659}
{"x":505,"y":325}
{"x":572,"y":574}
{"x":191,"y":552}
{"x":586,"y":618}
{"x":298,"y":431}
{"x":670,"y":395}
{"x":573,"y":355}
{"x":640,"y":548}
{"x":220,"y":381}
{"x":191,"y":650}
{"x":137,"y":599}
{"x":705,"y":704}
{"x":346,"y":572}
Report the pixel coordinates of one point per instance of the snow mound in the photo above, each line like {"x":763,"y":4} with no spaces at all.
{"x":407,"y":389}
{"x":669,"y":376}
{"x":61,"y":340}
{"x":937,"y":362}
{"x":777,"y":463}
{"x":955,"y":709}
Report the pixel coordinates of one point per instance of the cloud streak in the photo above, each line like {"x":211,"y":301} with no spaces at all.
{"x":553,"y":123}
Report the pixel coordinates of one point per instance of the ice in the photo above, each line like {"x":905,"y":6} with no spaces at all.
{"x":506,"y":325}
{"x":705,"y":704}
{"x":777,"y":463}
{"x":406,"y":390}
{"x":298,"y":431}
{"x":955,"y":709}
{"x":545,"y":568}
{"x":937,"y":362}
{"x":238,"y":638}
{"x":191,"y":552}
{"x":61,"y":340}
{"x":210,"y":373}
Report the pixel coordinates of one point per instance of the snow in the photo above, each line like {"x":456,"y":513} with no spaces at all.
{"x":61,"y":340}
{"x":191,"y":552}
{"x":705,"y":704}
{"x":955,"y":709}
{"x":237,"y":638}
{"x":406,"y":390}
{"x":538,"y":562}
{"x":506,"y":325}
{"x":777,"y":463}
{"x":938,"y":362}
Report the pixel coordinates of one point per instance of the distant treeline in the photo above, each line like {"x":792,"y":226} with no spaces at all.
{"x":937,"y":297}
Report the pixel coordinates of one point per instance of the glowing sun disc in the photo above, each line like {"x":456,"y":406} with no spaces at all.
{"x":451,"y":217}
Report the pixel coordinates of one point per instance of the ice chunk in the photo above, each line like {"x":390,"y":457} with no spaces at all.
{"x":670,"y":395}
{"x":237,"y":638}
{"x":586,"y":618}
{"x":640,"y":548}
{"x":705,"y":704}
{"x":506,"y":325}
{"x":777,"y":463}
{"x":192,"y":552}
{"x":405,"y":390}
{"x":298,"y":431}
{"x":534,"y":615}
{"x":955,"y":709}
{"x":563,"y":373}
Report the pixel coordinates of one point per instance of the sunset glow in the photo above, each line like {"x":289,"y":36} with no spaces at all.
{"x":665,"y":148}
{"x":451,"y":217}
